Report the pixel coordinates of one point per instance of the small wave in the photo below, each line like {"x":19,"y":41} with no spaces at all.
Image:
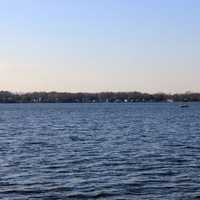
{"x":96,"y":195}
{"x":76,"y":138}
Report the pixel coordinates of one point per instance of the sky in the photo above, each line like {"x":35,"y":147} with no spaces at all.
{"x":100,"y":45}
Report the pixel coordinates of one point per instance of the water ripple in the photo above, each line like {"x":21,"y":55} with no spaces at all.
{"x":99,"y":151}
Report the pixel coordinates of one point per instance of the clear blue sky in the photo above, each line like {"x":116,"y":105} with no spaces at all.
{"x":100,"y":45}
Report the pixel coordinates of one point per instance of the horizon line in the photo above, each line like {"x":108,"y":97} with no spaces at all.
{"x":99,"y":92}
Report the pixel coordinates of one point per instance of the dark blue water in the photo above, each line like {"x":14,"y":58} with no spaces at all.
{"x":99,"y":151}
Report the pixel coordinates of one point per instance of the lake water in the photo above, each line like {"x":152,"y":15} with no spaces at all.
{"x":138,"y":151}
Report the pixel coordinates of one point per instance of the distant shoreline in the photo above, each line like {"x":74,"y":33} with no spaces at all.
{"x":101,"y":97}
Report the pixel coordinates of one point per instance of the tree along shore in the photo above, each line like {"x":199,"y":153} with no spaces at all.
{"x":112,"y":97}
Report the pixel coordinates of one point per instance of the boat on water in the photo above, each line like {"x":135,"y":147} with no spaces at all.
{"x":184,"y":106}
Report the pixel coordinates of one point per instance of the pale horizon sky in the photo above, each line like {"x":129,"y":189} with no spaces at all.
{"x":100,"y":45}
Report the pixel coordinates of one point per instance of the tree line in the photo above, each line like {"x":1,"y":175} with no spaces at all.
{"x":116,"y":97}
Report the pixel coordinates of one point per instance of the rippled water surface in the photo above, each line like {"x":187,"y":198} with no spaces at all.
{"x":99,"y":151}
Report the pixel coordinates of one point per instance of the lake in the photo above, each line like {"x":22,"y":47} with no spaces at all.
{"x":138,"y":151}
